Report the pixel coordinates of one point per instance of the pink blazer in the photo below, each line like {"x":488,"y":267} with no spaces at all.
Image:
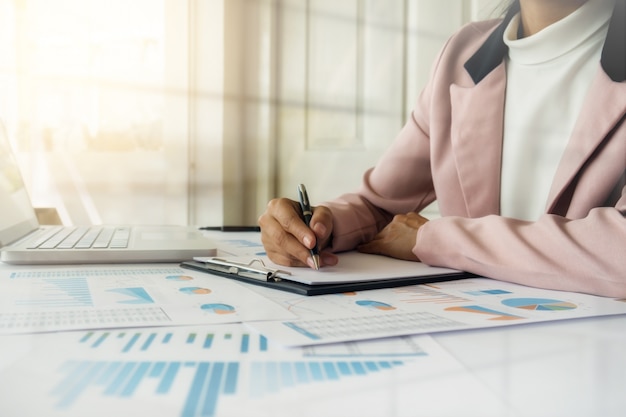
{"x":450,"y":151}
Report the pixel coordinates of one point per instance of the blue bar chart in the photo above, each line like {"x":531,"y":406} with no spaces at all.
{"x":129,"y":341}
{"x":207,"y":381}
{"x":197,"y":369}
{"x":59,"y":292}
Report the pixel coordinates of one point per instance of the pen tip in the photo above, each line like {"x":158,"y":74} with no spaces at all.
{"x":316,"y":262}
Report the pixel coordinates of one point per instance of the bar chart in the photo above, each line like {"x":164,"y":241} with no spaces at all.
{"x":222,"y":370}
{"x":207,"y":381}
{"x":171,"y":341}
{"x":197,"y":370}
{"x":59,"y":292}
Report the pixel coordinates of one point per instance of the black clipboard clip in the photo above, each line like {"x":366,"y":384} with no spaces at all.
{"x":254,"y":269}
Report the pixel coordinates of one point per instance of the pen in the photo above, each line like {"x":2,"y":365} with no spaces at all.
{"x":305,"y":205}
{"x":232,"y":228}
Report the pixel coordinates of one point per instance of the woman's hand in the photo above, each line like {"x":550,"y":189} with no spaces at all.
{"x":288,"y":240}
{"x":397,"y":239}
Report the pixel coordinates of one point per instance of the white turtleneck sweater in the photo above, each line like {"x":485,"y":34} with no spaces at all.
{"x":548,"y":76}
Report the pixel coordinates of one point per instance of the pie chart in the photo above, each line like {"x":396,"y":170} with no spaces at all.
{"x":375,"y":304}
{"x":218,"y":308}
{"x":194,"y":290}
{"x":539,"y":304}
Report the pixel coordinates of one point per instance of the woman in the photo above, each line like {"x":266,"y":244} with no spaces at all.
{"x":520,"y":136}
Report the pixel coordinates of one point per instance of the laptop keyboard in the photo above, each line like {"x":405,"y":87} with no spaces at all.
{"x":83,"y":238}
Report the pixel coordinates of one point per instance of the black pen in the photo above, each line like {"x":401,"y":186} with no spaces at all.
{"x":232,"y":228}
{"x":305,"y":205}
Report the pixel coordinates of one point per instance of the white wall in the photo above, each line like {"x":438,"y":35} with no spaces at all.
{"x":345,"y":76}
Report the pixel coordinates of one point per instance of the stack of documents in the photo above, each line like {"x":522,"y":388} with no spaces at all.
{"x":172,"y":340}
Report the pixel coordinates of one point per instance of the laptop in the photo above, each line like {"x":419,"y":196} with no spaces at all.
{"x":24,"y":241}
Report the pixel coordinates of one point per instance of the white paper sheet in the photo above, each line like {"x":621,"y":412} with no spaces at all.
{"x":452,"y":305}
{"x":224,"y":370}
{"x":53,"y":298}
{"x":352,"y":267}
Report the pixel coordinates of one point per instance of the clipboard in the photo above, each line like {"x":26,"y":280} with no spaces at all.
{"x":296,"y":280}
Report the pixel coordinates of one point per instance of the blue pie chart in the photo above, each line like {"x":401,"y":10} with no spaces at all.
{"x":539,"y":304}
{"x":217,"y":308}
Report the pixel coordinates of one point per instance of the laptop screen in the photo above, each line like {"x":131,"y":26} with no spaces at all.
{"x":18,"y":216}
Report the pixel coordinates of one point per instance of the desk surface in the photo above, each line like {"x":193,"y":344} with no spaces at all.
{"x":566,"y":368}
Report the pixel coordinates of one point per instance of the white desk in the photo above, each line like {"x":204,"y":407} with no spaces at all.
{"x":567,"y":368}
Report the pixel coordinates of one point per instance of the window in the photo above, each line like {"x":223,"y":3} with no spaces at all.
{"x":98,"y":98}
{"x":200,"y":111}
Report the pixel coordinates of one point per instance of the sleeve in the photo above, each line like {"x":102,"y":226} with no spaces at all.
{"x":584,"y":255}
{"x":399,"y":183}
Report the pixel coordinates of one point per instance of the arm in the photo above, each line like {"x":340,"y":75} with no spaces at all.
{"x":400,"y":183}
{"x":584,"y":255}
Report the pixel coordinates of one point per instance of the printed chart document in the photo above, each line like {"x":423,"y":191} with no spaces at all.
{"x":453,"y":305}
{"x":226,"y":370}
{"x":56,"y":298}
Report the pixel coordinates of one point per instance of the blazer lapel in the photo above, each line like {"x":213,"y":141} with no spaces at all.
{"x":477,"y":118}
{"x":603,"y":108}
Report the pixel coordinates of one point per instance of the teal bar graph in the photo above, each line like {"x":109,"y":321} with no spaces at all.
{"x":128,"y":342}
{"x":206,"y":382}
{"x":101,"y":339}
{"x":59,"y":292}
{"x":148,"y":342}
{"x":167,"y":381}
{"x":245,"y":343}
{"x":208,"y":341}
{"x":131,"y":342}
{"x":209,"y":382}
{"x":135,"y":379}
{"x":109,"y":373}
